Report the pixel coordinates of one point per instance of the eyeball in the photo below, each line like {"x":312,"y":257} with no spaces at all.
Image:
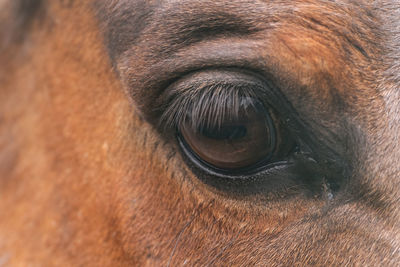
{"x":239,"y":141}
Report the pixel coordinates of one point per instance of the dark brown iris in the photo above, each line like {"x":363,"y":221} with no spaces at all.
{"x":236,"y":143}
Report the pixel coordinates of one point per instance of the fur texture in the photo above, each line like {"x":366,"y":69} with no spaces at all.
{"x":88,"y":178}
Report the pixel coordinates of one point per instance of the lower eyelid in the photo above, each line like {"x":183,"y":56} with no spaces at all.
{"x":204,"y":99}
{"x":289,"y":167}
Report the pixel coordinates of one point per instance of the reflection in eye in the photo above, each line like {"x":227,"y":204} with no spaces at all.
{"x":227,"y":123}
{"x":238,"y":141}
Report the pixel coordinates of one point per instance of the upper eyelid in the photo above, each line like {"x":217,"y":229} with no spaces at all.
{"x":262,"y":89}
{"x":209,"y":100}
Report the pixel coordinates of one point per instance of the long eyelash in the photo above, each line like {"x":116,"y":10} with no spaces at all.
{"x":205,"y":105}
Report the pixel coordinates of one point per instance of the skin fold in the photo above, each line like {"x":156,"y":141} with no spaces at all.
{"x":88,"y":177}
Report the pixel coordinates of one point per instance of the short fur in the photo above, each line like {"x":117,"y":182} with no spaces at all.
{"x":88,"y":178}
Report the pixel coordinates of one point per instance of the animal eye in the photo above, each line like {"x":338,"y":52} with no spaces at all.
{"x":238,"y":142}
{"x":239,"y":134}
{"x":227,"y":123}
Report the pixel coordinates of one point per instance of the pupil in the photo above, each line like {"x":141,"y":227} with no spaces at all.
{"x":230,"y":132}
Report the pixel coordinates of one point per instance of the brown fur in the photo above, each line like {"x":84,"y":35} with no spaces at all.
{"x":88,"y":179}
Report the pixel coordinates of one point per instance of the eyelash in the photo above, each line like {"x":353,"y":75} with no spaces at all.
{"x":206,"y":99}
{"x":204,"y":105}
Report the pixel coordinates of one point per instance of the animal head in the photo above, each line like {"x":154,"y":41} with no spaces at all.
{"x":199,"y":132}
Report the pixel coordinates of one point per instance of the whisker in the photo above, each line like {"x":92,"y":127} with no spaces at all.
{"x":178,"y":237}
{"x":228,"y":245}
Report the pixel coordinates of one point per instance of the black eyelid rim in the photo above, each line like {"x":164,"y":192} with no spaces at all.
{"x":235,"y":174}
{"x":273,"y":99}
{"x":256,"y":103}
{"x":269,"y":97}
